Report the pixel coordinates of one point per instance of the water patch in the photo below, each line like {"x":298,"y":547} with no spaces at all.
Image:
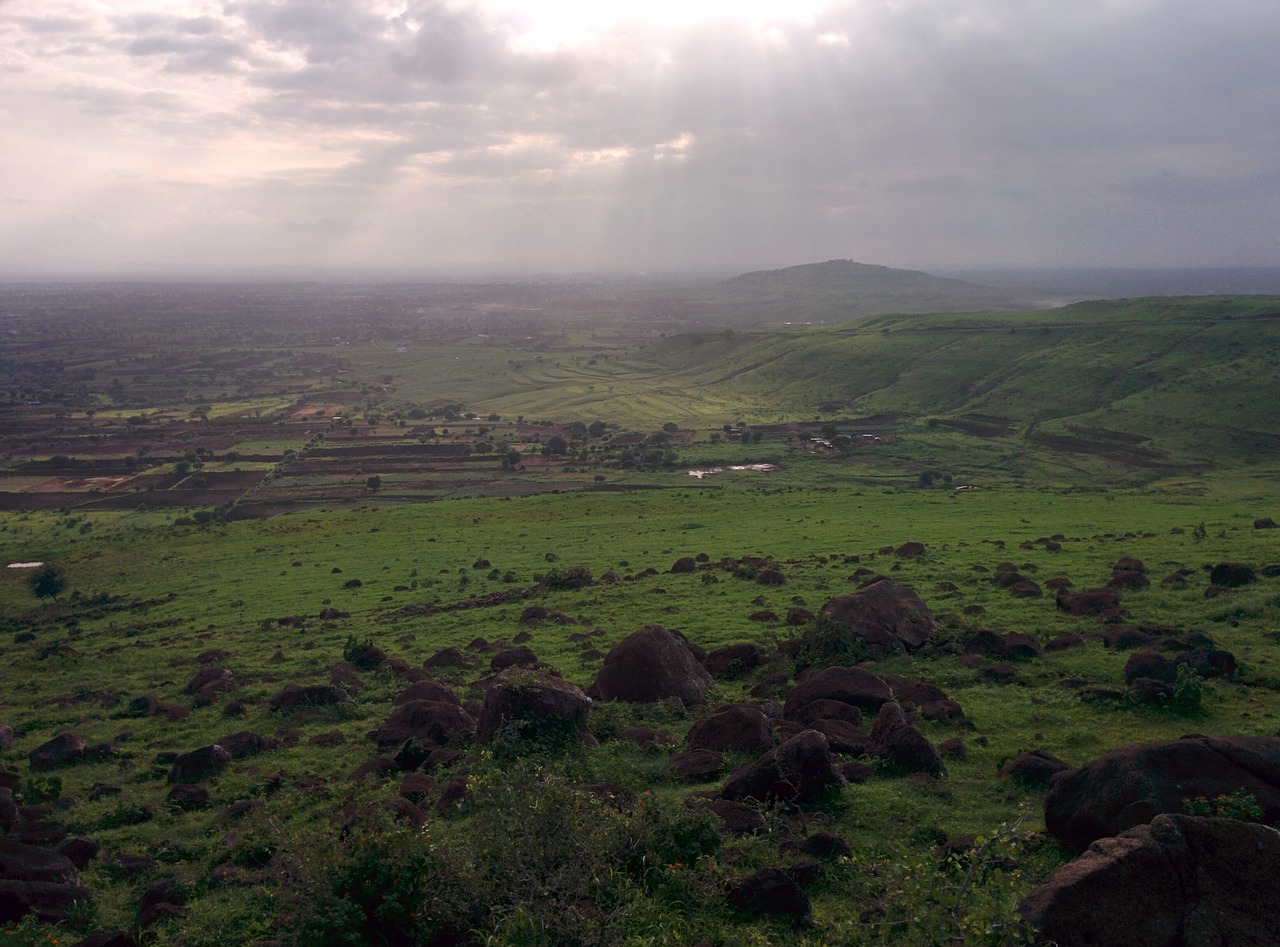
{"x":708,"y":471}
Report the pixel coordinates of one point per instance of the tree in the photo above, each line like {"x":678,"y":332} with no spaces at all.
{"x":47,"y":581}
{"x":512,"y":460}
{"x":555,"y":446}
{"x":374,"y":482}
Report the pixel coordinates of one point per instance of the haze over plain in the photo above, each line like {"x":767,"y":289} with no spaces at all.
{"x":566,"y":136}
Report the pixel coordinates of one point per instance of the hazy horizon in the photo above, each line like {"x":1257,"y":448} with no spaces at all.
{"x":478,"y":136}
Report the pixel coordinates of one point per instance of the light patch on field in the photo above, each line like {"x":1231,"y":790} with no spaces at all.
{"x":707,"y":472}
{"x":24,"y":565}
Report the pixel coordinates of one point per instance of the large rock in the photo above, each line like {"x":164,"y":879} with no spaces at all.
{"x":1181,"y":881}
{"x":649,"y":665}
{"x":800,"y":770}
{"x":293,"y":698}
{"x":199,"y":764}
{"x":849,"y":685}
{"x":733,"y":659}
{"x":1133,"y":784}
{"x":62,"y":750}
{"x":426,"y":723}
{"x":427,"y":690}
{"x":884,"y":615}
{"x":770,"y":892}
{"x":901,"y":746}
{"x":547,"y":706}
{"x":739,"y":727}
{"x":37,"y":881}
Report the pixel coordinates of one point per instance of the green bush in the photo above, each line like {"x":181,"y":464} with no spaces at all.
{"x":1238,"y":805}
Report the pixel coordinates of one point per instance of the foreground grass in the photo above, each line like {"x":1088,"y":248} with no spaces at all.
{"x":167,"y":594}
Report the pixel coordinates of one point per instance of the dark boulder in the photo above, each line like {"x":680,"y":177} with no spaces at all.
{"x":37,"y":881}
{"x":1150,"y":664}
{"x":685,"y":564}
{"x":697,"y":766}
{"x":883,"y":615}
{"x":733,"y":660}
{"x":546,"y":707}
{"x":1208,"y":662}
{"x":293,"y":698}
{"x":826,"y":709}
{"x":187,"y":798}
{"x":1181,"y":881}
{"x":1133,"y":784}
{"x":1232,"y":574}
{"x":652,"y":664}
{"x":1032,"y":768}
{"x":773,"y":893}
{"x":199,"y":764}
{"x":208,"y":682}
{"x":645,"y":736}
{"x":901,"y":746}
{"x":1099,"y":603}
{"x":426,"y":724}
{"x":843,"y":737}
{"x":801,"y":770}
{"x":851,"y":685}
{"x":520,"y":656}
{"x":1128,"y":580}
{"x":737,"y":818}
{"x":62,"y":750}
{"x":445,"y":657}
{"x":739,"y":727}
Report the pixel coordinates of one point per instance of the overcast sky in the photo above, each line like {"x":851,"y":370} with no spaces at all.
{"x":623,"y":135}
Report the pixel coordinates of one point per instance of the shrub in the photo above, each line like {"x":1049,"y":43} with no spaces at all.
{"x":1238,"y":805}
{"x":570,"y":577}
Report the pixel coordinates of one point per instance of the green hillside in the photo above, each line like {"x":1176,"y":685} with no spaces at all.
{"x":1173,"y":380}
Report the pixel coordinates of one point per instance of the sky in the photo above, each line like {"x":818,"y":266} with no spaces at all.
{"x":627,"y":136}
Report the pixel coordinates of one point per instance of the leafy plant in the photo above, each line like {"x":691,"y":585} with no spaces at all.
{"x":1238,"y":805}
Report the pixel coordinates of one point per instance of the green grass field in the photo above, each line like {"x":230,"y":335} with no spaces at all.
{"x":148,"y":602}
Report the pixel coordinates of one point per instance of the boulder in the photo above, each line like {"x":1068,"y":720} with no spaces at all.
{"x":1232,"y":574}
{"x":901,"y":746}
{"x":884,"y":615}
{"x":843,"y":737}
{"x":738,"y":818}
{"x":519,"y":656}
{"x":199,"y":764}
{"x":733,"y":659}
{"x":851,"y":685}
{"x":208,"y":682}
{"x":37,"y":881}
{"x":425,"y":723}
{"x":427,"y":690}
{"x":1150,"y":664}
{"x":1133,"y":784}
{"x":771,"y":892}
{"x":1032,"y":768}
{"x":652,"y":664}
{"x":1180,"y":881}
{"x":739,"y":727}
{"x":801,"y":771}
{"x":697,"y":766}
{"x":293,"y":698}
{"x":1100,"y":603}
{"x":827,"y":709}
{"x":62,"y":750}
{"x":547,"y":706}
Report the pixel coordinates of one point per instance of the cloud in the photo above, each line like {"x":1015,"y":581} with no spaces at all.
{"x":939,"y":131}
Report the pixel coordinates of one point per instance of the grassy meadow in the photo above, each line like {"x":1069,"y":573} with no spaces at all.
{"x":284,"y":849}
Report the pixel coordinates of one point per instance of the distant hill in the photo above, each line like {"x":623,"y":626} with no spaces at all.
{"x":844,"y":291}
